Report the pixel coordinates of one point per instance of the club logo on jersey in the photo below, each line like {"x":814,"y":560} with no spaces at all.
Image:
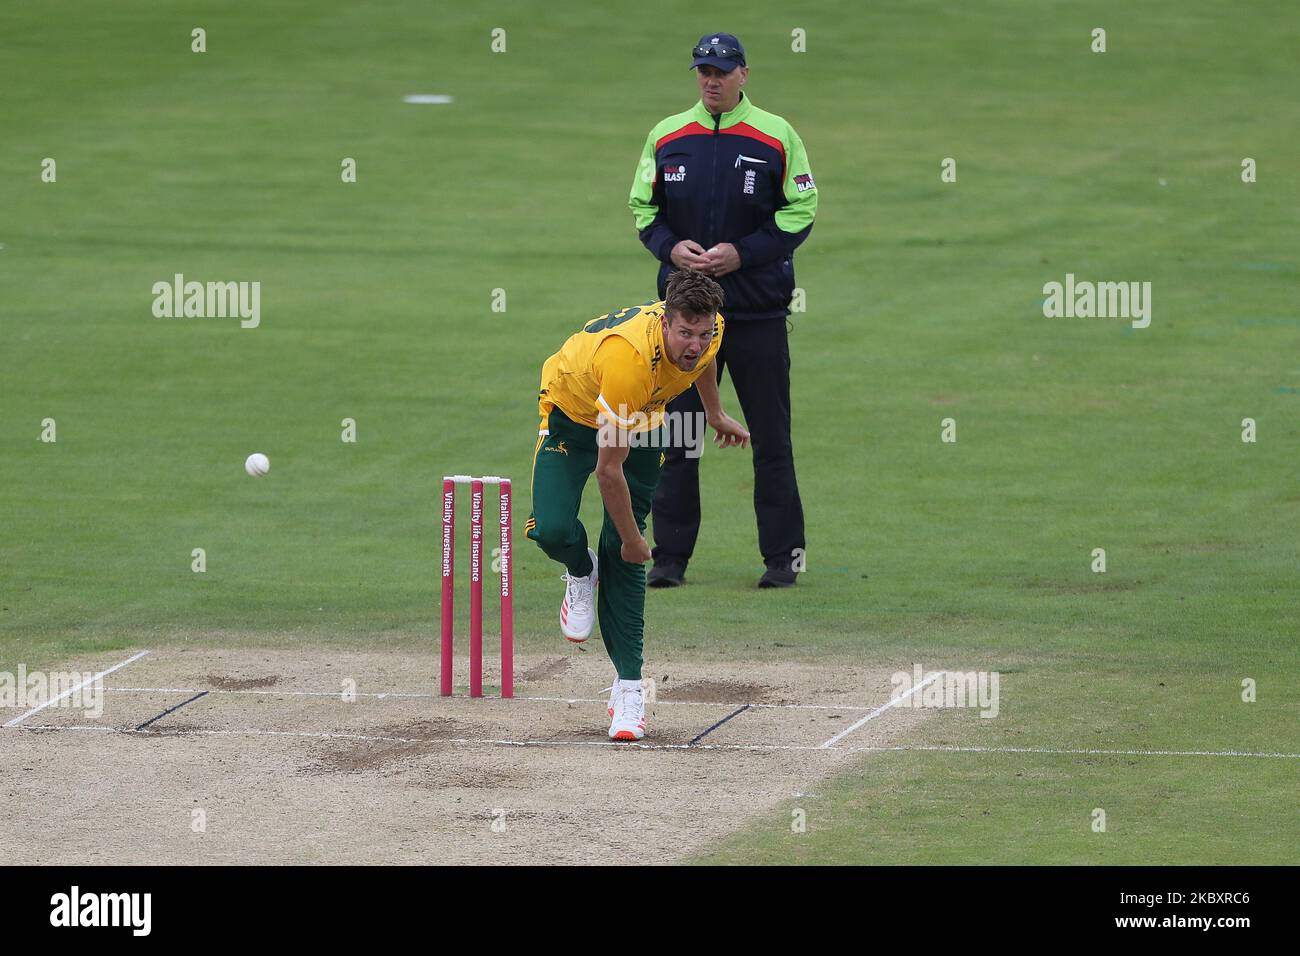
{"x":674,"y":174}
{"x":804,"y":182}
{"x":749,"y":182}
{"x":558,"y":446}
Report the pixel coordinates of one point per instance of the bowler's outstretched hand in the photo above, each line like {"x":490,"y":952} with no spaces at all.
{"x":728,"y":432}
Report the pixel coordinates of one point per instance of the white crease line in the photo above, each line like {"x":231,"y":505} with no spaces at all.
{"x":553,"y":700}
{"x":268,"y":693}
{"x":54,"y":700}
{"x":894,"y":702}
{"x":704,"y":703}
{"x":486,"y":741}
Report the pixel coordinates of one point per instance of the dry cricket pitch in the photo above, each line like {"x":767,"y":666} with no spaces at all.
{"x":210,"y":756}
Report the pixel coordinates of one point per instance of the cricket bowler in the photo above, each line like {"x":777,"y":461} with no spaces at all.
{"x":601,"y":395}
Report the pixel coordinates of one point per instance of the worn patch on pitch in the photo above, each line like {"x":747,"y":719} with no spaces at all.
{"x":550,"y":668}
{"x":221,"y":682}
{"x":720,"y":691}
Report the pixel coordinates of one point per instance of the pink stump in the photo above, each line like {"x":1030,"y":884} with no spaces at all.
{"x":507,"y":599}
{"x":476,"y":589}
{"x":448,"y":580}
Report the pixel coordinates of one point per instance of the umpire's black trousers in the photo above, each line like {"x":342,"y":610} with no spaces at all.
{"x":757,"y":354}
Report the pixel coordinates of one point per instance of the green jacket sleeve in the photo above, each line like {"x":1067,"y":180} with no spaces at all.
{"x":646,"y":203}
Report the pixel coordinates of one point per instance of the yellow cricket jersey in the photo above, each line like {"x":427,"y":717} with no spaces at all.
{"x":616,"y":366}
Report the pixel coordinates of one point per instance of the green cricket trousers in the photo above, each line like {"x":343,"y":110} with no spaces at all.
{"x":563,"y":462}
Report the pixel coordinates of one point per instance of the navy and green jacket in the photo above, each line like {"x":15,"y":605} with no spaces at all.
{"x":743,"y":178}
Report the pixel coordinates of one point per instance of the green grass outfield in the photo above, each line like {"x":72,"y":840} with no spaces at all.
{"x":924,"y":302}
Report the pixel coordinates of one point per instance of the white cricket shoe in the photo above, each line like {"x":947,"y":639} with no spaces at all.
{"x":628,"y":721}
{"x":578,"y":610}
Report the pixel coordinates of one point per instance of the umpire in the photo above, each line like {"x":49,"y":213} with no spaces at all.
{"x":725,"y":188}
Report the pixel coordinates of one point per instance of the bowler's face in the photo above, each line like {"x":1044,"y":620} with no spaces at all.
{"x":719,"y":90}
{"x":686,"y":338}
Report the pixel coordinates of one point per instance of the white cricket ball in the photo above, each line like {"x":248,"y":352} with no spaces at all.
{"x":257,"y":464}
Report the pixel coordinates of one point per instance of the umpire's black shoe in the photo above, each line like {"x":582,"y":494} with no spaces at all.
{"x":778,"y":576}
{"x":666,"y":574}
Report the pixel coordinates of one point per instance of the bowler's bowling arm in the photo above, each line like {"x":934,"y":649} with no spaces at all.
{"x":730,"y":432}
{"x":613,"y":484}
{"x":707,"y":386}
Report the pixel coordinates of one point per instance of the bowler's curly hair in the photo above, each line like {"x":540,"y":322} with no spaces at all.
{"x":692,"y":293}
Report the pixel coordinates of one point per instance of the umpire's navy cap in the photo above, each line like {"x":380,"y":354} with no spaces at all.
{"x":719,"y":49}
